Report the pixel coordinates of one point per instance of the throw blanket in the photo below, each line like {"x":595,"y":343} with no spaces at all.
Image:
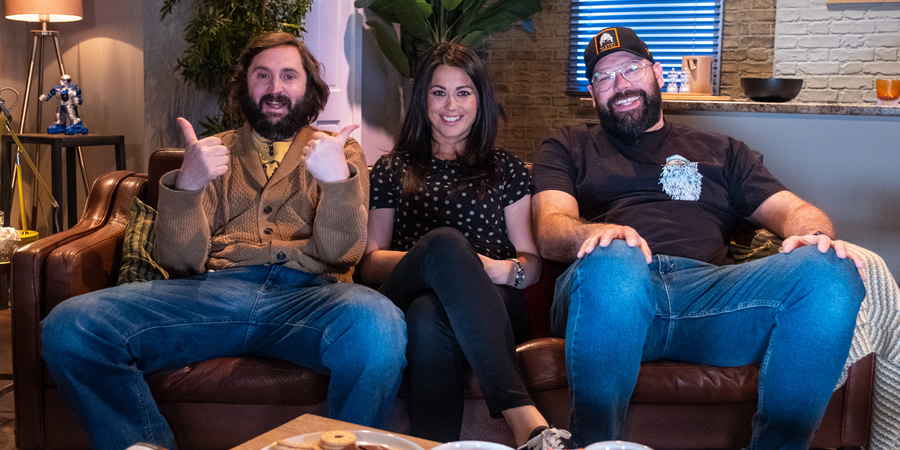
{"x":878,"y":331}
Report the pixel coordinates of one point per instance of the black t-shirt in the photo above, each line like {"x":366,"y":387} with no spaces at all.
{"x":480,"y":220}
{"x":682,"y":189}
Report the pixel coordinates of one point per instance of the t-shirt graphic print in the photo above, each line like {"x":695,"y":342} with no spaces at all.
{"x":680,"y":179}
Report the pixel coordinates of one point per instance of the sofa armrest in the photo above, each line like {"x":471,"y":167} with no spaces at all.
{"x":91,"y":262}
{"x":859,"y":395}
{"x":32,"y":286}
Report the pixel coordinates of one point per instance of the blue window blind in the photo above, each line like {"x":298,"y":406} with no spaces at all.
{"x":670,"y":28}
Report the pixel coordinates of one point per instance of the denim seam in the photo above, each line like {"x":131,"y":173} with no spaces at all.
{"x":576,"y":282}
{"x":129,"y":336}
{"x":754,"y":304}
{"x":763,"y":367}
{"x":670,"y":322}
{"x":251,"y":323}
{"x":297,"y":325}
{"x":145,"y":412}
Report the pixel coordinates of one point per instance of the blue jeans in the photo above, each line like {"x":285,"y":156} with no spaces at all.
{"x":99,"y":346}
{"x":793,"y":312}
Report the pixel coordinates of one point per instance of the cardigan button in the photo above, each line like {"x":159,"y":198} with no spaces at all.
{"x":281,"y":256}
{"x":268,"y":231}
{"x":267,"y":209}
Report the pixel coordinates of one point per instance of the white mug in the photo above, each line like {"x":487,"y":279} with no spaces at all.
{"x":616,"y":445}
{"x":472,"y":445}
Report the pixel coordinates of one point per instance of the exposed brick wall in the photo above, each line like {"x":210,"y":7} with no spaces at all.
{"x":529,"y":75}
{"x":838,"y":49}
{"x":529,"y":69}
{"x":748,"y":35}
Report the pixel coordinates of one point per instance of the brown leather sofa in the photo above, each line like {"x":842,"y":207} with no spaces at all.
{"x":223,"y":402}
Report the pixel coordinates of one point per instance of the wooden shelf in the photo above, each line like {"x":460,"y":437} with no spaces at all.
{"x":695,"y":97}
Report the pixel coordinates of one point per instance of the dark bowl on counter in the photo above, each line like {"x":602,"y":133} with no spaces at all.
{"x":771,"y":89}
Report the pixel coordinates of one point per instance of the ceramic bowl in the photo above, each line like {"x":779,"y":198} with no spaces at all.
{"x":771,"y":89}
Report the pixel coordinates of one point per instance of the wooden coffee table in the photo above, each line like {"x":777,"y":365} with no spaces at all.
{"x":311,"y":423}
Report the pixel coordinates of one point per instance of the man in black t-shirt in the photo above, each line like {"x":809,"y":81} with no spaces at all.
{"x":643,"y":210}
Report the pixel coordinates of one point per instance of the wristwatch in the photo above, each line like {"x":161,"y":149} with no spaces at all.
{"x":520,"y":273}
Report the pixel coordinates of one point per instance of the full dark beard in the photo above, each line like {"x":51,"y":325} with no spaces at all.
{"x":630,"y":125}
{"x":284,"y":128}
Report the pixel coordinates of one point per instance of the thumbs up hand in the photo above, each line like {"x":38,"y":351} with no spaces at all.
{"x":204,"y":159}
{"x":324,"y":155}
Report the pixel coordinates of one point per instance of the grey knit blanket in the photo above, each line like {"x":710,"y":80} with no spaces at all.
{"x":878,"y":331}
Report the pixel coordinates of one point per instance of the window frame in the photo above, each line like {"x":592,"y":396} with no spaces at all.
{"x":696,"y":29}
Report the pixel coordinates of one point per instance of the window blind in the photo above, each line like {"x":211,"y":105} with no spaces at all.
{"x":670,"y":28}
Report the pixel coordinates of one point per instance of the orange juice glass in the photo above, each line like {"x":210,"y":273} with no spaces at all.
{"x":888,"y":91}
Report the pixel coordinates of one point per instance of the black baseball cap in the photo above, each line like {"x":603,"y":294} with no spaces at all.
{"x":611,"y":40}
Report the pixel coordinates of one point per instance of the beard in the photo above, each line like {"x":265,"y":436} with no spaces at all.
{"x":629,"y":125}
{"x":286,"y":127}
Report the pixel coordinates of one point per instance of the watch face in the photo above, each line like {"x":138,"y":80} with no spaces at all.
{"x":520,"y":272}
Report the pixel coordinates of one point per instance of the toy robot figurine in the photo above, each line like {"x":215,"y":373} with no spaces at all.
{"x":69,"y":99}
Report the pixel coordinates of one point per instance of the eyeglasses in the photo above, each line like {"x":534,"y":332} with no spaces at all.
{"x":631,"y":71}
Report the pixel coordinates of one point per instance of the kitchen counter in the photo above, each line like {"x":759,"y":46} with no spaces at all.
{"x":792,"y":107}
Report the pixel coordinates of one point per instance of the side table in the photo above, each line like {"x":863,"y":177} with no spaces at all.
{"x":57,"y":143}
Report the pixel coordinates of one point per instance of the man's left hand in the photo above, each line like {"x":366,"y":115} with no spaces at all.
{"x":324,"y":155}
{"x":823,"y":242}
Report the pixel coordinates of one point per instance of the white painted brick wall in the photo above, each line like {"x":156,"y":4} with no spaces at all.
{"x":838,"y":49}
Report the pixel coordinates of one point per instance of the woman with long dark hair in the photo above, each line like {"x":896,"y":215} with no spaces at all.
{"x":450,"y":241}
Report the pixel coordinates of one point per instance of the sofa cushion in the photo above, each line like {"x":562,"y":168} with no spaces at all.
{"x":137,"y":246}
{"x":240,"y":380}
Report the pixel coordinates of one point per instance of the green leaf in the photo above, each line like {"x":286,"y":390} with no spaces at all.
{"x":412,"y":18}
{"x":384,"y":9}
{"x":472,"y":39}
{"x":167,"y":8}
{"x":214,"y":125}
{"x":450,"y":5}
{"x":425,"y":7}
{"x":502,"y":14}
{"x":470,"y":7}
{"x":390,"y":46}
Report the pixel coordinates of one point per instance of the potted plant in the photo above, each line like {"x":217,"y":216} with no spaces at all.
{"x":216,"y":37}
{"x":424,"y":23}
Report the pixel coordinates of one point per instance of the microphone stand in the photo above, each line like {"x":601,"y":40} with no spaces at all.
{"x":25,"y":234}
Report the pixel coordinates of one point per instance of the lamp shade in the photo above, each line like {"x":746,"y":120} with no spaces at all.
{"x":44,"y":10}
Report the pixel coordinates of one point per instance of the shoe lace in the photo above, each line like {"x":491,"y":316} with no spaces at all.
{"x":555,"y":438}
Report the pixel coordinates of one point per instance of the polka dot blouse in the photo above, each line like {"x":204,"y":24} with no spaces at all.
{"x":480,"y":220}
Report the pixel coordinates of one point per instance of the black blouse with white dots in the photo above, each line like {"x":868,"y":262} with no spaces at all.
{"x":480,"y":220}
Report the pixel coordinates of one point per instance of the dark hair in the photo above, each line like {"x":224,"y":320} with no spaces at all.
{"x":316,"y":89}
{"x":477,"y":163}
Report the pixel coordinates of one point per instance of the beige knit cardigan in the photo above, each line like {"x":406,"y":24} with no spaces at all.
{"x":243,"y":219}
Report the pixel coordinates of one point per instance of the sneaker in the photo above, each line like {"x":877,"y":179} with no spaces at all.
{"x":549,"y":438}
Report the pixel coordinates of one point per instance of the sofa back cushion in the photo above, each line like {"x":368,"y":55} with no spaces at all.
{"x":162,"y":161}
{"x":137,"y":246}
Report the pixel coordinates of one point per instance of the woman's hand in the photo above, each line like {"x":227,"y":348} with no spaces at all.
{"x":500,"y":271}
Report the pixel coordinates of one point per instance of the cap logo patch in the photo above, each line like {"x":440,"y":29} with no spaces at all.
{"x":608,"y":40}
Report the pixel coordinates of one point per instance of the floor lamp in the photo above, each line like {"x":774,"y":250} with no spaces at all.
{"x":42,"y":11}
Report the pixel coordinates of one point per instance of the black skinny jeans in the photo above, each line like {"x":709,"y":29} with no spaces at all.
{"x":456,"y":315}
